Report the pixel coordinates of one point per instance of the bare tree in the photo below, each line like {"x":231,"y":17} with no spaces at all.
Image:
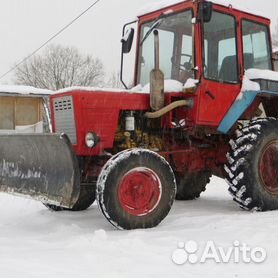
{"x":60,"y":67}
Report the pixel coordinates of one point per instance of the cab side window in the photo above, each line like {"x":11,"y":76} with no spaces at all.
{"x":256,"y":48}
{"x":220,"y":55}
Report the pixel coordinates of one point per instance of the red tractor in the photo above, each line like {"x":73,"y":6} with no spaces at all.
{"x":136,"y":151}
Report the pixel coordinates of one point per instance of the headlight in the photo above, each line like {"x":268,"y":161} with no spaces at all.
{"x":91,"y":139}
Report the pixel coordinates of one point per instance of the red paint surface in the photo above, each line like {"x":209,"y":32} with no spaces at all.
{"x":139,"y":191}
{"x":268,"y":168}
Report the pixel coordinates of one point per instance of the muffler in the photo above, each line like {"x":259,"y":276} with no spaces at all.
{"x":156,"y":79}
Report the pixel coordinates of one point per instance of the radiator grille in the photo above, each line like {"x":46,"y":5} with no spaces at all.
{"x":64,"y":117}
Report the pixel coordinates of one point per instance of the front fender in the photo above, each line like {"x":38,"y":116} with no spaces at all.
{"x":240,"y":105}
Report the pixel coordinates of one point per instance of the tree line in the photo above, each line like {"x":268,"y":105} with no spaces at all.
{"x":59,"y":67}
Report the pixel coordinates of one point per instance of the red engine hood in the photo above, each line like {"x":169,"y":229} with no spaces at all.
{"x":116,"y":99}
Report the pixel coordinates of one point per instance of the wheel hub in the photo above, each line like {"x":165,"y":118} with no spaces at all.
{"x":139,"y":191}
{"x":268,"y":168}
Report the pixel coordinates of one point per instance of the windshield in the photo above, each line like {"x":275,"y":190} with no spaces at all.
{"x":175,"y":38}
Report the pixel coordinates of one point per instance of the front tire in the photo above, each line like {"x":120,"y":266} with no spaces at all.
{"x":136,"y":189}
{"x":252,"y":168}
{"x":190,"y":186}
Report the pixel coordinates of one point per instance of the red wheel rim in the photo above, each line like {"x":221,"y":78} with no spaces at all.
{"x":269,"y":168}
{"x":139,"y":191}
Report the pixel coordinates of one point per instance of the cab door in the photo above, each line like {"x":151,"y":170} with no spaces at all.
{"x":220,"y":80}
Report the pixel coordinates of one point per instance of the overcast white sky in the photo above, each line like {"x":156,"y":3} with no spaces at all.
{"x":26,"y":24}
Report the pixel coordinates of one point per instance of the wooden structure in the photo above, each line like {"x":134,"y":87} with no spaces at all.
{"x":21,"y":111}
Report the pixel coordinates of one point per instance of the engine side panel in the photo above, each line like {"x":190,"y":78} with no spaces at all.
{"x":96,"y":112}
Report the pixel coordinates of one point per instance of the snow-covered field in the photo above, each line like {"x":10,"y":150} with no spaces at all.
{"x":35,"y":242}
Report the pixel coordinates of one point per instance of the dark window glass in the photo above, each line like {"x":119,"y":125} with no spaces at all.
{"x":220,"y":48}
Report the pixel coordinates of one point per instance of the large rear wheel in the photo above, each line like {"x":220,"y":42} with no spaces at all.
{"x":253,"y":166}
{"x":136,"y":189}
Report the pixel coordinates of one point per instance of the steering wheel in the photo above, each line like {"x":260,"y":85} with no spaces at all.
{"x":187,"y":66}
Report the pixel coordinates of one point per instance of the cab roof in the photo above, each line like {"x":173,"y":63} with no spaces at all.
{"x":240,"y":6}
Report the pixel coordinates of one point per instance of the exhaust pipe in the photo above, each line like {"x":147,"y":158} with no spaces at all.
{"x":180,"y":103}
{"x":156,"y":79}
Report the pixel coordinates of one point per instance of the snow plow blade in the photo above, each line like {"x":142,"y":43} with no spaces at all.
{"x":40,"y":166}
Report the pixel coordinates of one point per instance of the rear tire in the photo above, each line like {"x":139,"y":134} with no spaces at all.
{"x":252,"y":168}
{"x":136,"y":189}
{"x":85,"y":200}
{"x":190,"y":186}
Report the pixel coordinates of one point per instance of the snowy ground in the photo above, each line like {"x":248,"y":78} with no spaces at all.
{"x":36,"y":242}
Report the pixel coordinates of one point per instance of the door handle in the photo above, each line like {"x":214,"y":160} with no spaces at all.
{"x":210,"y":94}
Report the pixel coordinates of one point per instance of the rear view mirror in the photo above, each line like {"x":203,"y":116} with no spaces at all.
{"x":127,"y":40}
{"x":205,"y":11}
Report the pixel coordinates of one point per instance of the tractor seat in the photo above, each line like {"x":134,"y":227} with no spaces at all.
{"x":228,"y":71}
{"x":248,"y":59}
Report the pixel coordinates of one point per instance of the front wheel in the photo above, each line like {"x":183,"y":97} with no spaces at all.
{"x":136,"y":189}
{"x":252,"y":168}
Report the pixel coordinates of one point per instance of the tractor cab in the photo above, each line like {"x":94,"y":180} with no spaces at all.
{"x":204,"y":42}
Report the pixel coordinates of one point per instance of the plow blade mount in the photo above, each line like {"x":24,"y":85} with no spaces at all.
{"x":40,"y":166}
